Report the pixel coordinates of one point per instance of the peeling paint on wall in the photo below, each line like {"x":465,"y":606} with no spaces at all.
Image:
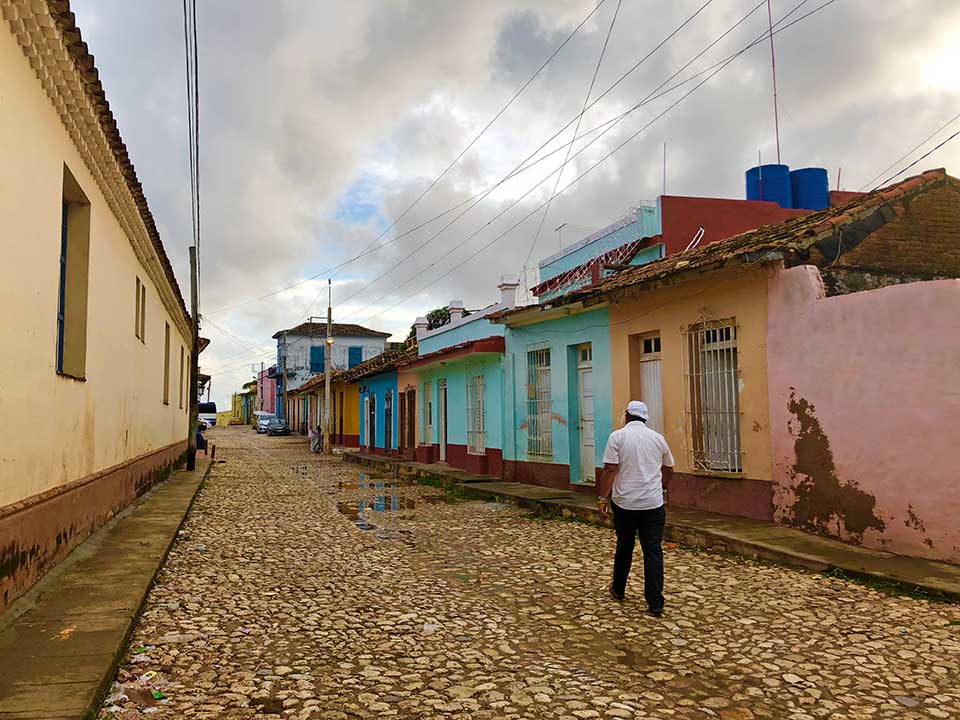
{"x":824,"y":504}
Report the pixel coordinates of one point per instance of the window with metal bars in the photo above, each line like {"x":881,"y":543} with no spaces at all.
{"x":712,"y":396}
{"x":476,"y":424}
{"x":539,"y":405}
{"x":426,"y":414}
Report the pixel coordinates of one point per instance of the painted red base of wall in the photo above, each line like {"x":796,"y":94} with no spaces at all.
{"x":427,"y":454}
{"x":490,"y":463}
{"x":350,"y":441}
{"x":38,"y":532}
{"x":381,"y":451}
{"x":727,"y":496}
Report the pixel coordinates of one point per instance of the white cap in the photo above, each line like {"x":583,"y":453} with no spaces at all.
{"x":638,"y":409}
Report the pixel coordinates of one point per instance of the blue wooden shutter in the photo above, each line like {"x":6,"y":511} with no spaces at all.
{"x":355,"y":356}
{"x":316,"y":359}
{"x":62,"y":299}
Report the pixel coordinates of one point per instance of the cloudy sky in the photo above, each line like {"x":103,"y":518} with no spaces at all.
{"x":321,"y":122}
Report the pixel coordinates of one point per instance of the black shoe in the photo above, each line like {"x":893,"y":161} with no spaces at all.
{"x":613,"y":593}
{"x":655,"y":611}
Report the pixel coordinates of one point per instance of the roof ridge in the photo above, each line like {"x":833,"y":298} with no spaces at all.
{"x":84,"y":62}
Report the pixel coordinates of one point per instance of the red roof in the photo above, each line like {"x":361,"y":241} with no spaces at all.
{"x":492,"y":344}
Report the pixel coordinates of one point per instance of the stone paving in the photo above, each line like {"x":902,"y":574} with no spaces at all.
{"x":299,"y":589}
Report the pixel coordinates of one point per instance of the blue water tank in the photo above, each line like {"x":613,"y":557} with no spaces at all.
{"x":811,"y":188}
{"x":770,"y":182}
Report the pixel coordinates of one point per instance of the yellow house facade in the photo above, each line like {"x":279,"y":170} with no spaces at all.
{"x":97,"y":333}
{"x":307,"y":402}
{"x":695,"y":352}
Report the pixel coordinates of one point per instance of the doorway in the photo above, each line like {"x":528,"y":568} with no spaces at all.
{"x":388,"y":420}
{"x":371,"y":421}
{"x":585,"y":426}
{"x":443,"y":420}
{"x":651,"y":384}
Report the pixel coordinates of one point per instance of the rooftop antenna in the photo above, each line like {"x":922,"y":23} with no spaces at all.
{"x":663,"y":191}
{"x":559,"y":231}
{"x":773,"y":67}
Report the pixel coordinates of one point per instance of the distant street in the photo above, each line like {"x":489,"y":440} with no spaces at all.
{"x":298,"y":590}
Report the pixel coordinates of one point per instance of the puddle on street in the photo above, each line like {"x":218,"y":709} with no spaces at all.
{"x":375,"y":482}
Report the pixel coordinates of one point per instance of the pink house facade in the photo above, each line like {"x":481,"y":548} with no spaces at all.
{"x":267,"y":390}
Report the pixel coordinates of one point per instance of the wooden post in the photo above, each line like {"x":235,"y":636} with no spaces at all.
{"x":194,"y":363}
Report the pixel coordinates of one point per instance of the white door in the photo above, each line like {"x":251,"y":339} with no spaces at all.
{"x":443,"y":420}
{"x":651,"y":386}
{"x":587,"y":442}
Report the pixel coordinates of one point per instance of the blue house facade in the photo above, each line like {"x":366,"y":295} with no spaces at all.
{"x":376,"y":381}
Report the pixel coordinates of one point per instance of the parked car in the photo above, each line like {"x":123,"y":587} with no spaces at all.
{"x":276,"y":426}
{"x":262,"y":421}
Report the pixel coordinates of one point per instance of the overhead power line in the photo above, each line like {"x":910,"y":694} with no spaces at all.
{"x":653,"y":95}
{"x":521,"y":167}
{"x":436,"y":180}
{"x":605,"y":157}
{"x":481,"y":196}
{"x":922,"y":157}
{"x":910,"y":152}
{"x":576,"y":129}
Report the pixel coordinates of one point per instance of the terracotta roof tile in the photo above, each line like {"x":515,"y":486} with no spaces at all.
{"x":83,"y":60}
{"x":339,"y":329}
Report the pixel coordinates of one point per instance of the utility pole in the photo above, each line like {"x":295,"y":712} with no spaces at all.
{"x":194,"y":362}
{"x":284,"y":408}
{"x":328,"y":371}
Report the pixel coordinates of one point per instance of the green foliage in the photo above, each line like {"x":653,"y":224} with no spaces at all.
{"x":435,"y":318}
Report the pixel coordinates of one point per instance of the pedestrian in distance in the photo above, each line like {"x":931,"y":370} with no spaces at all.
{"x":315,"y":436}
{"x":637,"y":467}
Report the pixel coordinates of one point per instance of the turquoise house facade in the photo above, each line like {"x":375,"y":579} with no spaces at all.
{"x":557,"y":405}
{"x":459,"y":372}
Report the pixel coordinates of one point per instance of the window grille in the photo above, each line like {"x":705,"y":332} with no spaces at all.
{"x":426,"y":414}
{"x":539,"y":406}
{"x":712,"y":396}
{"x":476,"y":426}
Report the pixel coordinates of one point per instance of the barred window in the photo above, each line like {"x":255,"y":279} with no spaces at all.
{"x":539,"y":406}
{"x":712,"y":395}
{"x":476,"y":425}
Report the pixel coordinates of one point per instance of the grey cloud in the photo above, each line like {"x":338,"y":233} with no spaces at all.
{"x":301,"y":101}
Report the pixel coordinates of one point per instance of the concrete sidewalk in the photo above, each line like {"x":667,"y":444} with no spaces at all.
{"x":752,"y":538}
{"x":60,"y":643}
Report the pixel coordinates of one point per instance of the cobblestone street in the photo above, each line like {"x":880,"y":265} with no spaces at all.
{"x":300,"y":588}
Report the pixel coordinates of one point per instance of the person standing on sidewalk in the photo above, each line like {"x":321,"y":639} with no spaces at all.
{"x":637,"y":464}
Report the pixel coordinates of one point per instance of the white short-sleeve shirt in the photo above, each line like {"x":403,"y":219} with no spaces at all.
{"x":639,"y":453}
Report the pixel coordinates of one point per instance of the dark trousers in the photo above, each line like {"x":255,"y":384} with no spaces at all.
{"x":648,"y":524}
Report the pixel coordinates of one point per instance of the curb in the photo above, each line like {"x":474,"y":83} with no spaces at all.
{"x":106,"y":682}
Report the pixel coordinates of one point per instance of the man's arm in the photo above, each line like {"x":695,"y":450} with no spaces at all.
{"x":605,"y":487}
{"x":667,"y":472}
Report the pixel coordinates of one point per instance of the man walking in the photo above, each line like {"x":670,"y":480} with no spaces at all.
{"x":636,"y":465}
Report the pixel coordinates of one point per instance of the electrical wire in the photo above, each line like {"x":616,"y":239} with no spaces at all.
{"x":922,"y":157}
{"x":482,"y":196}
{"x":910,"y":152}
{"x":521,"y":167}
{"x":576,"y":129}
{"x":650,"y":97}
{"x":600,"y":161}
{"x":712,"y":70}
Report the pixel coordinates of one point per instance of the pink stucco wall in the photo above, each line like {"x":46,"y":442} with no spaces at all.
{"x":266,"y":392}
{"x":865,"y":412}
